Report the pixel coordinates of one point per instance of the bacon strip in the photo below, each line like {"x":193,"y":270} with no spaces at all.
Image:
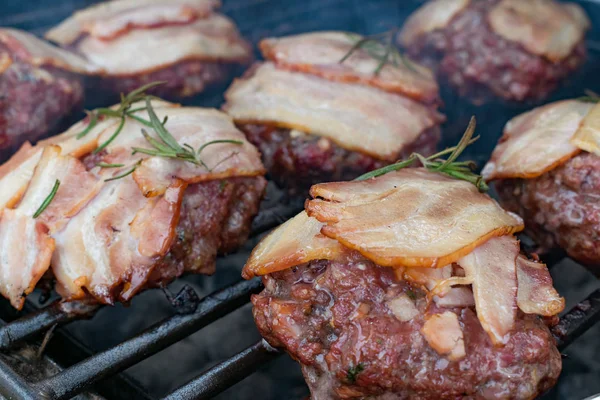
{"x":433,"y":15}
{"x":492,"y":269}
{"x":356,"y":117}
{"x":536,"y":295}
{"x":293,"y":243}
{"x":319,"y":53}
{"x":37,"y":52}
{"x":546,"y":28}
{"x":111,"y":18}
{"x":409,"y":218}
{"x":537,"y":141}
{"x":588,"y":136}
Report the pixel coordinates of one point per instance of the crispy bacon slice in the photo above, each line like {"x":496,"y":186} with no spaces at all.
{"x":546,"y":28}
{"x":409,"y":218}
{"x":587,"y":136}
{"x":435,"y":14}
{"x":293,"y":243}
{"x":111,"y":18}
{"x":110,"y":247}
{"x":537,"y":141}
{"x":25,"y":253}
{"x":356,"y":117}
{"x":214,"y":38}
{"x":319,"y":53}
{"x":492,"y":269}
{"x":444,"y":335}
{"x":536,"y":295}
{"x":35,"y":51}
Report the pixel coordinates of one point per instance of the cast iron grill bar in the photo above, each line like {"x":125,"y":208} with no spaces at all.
{"x":226,"y":374}
{"x":13,"y":386}
{"x":78,"y":377}
{"x":578,"y":320}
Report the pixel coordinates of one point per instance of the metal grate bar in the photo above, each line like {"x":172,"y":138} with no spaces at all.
{"x":42,"y":320}
{"x":13,"y":386}
{"x":75,"y":379}
{"x":226,"y":374}
{"x":578,"y":320}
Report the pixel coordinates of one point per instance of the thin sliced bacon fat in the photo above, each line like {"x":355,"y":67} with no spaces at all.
{"x":35,"y":51}
{"x":444,"y":334}
{"x":319,"y":53}
{"x":212,"y":39}
{"x":588,"y":136}
{"x":492,"y":269}
{"x":544,"y":27}
{"x":356,"y":117}
{"x":434,"y":15}
{"x":537,"y":141}
{"x":109,"y":248}
{"x":409,"y":218}
{"x":536,"y":295}
{"x":295,"y":242}
{"x":111,"y":18}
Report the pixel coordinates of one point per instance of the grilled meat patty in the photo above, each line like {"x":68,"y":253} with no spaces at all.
{"x":480,"y":64}
{"x":338,"y":320}
{"x":561,"y":207}
{"x":33,"y":101}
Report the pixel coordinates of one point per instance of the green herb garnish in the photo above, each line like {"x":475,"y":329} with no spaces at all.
{"x":590,"y":97}
{"x":167,"y":146}
{"x":47,"y":200}
{"x":381,"y":47}
{"x":122,"y":112}
{"x":353,"y":372}
{"x":456,"y":169}
{"x":126,"y":173}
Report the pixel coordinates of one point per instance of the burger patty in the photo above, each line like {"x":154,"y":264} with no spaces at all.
{"x":334,"y":319}
{"x":183,"y":79}
{"x":33,"y":102}
{"x":561,"y":207}
{"x":297,"y":161}
{"x":480,"y":64}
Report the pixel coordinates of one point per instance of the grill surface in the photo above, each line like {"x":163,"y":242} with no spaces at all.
{"x":99,"y":369}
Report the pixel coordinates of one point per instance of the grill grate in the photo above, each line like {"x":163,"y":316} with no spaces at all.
{"x":101,"y":371}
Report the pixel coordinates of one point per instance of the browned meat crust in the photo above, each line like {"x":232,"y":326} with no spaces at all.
{"x":481,"y":65}
{"x":560,"y":208}
{"x":333,"y":318}
{"x":297,"y":162}
{"x":33,"y":101}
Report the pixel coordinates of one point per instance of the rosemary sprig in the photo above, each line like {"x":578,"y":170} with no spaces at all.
{"x":457,"y":169}
{"x":380,"y":47}
{"x":105,"y":165}
{"x":47,"y":200}
{"x":126,"y":173}
{"x":122,"y":112}
{"x":167,"y":146}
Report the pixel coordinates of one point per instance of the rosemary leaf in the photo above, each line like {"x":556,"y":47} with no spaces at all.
{"x":205,"y":145}
{"x":113,"y":136}
{"x":105,"y":165}
{"x":155,"y":143}
{"x":47,"y":200}
{"x":93,"y":121}
{"x":123,"y":175}
{"x":160,"y":129}
{"x":140,"y":92}
{"x":462,"y":170}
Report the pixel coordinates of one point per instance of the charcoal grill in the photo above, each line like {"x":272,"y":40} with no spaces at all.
{"x":81,"y":370}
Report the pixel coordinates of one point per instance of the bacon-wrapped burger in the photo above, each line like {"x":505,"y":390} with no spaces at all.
{"x":185,"y":43}
{"x":546,"y":168}
{"x":131,"y":197}
{"x":333,"y":105}
{"x":39,"y":86}
{"x":510,"y":49}
{"x":407,"y":285}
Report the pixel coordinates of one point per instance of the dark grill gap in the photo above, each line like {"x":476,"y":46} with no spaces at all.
{"x":101,"y":371}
